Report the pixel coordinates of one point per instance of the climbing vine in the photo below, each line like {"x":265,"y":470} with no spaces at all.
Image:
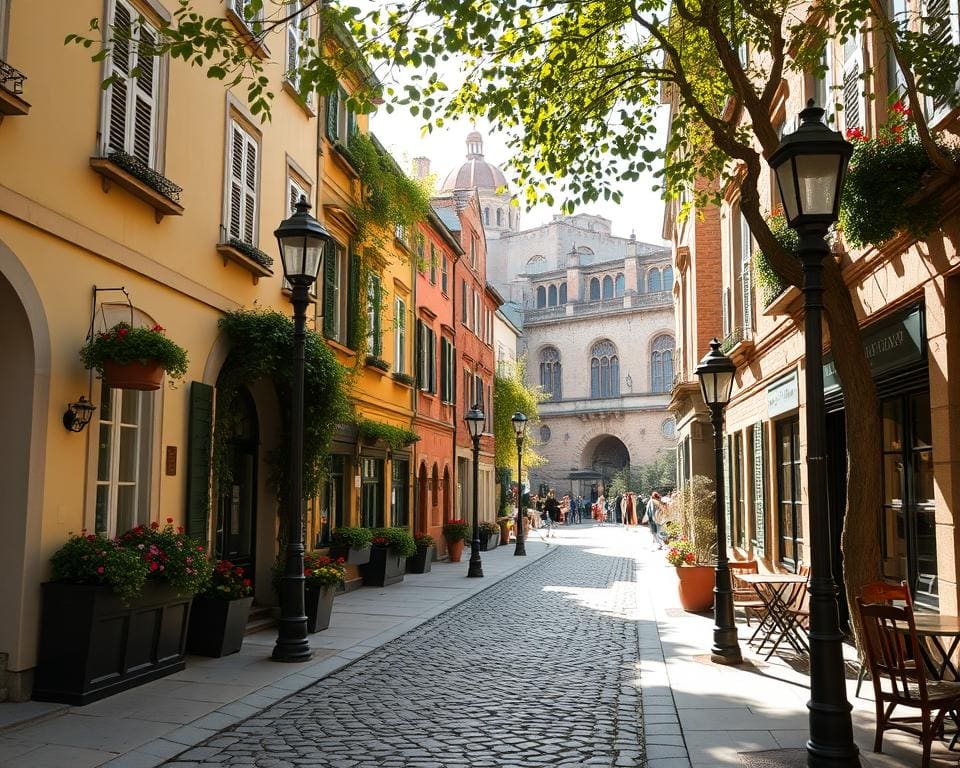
{"x":769,"y":283}
{"x":261,"y":347}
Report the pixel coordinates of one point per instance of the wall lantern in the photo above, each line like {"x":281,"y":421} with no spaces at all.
{"x":78,"y":414}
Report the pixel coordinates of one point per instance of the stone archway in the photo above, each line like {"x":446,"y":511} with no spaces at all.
{"x":605,"y":454}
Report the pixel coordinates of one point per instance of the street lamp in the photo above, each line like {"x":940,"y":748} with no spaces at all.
{"x":716,"y":372}
{"x":302,"y":241}
{"x":475,"y":419}
{"x":519,"y":422}
{"x":810,"y":165}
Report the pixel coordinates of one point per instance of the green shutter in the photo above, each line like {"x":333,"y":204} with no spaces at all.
{"x":418,"y":353}
{"x":333,"y":107}
{"x":377,"y":311}
{"x":759,"y":459}
{"x":433,"y":362}
{"x":329,"y":282}
{"x":353,"y":301}
{"x":199,"y":444}
{"x":444,"y":384}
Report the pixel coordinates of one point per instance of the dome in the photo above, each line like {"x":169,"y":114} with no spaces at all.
{"x":476,"y":172}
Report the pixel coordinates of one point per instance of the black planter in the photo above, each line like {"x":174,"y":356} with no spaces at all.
{"x":352,"y":555}
{"x":385,"y":568}
{"x":490,"y":541}
{"x":92,"y":645}
{"x":422,"y":561}
{"x":217,"y":626}
{"x":319,"y":607}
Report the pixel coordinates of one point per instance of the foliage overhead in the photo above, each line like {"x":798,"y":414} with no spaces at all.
{"x":511,"y":394}
{"x":768,"y":281}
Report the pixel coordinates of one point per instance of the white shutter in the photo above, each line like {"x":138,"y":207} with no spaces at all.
{"x":250,"y":191}
{"x":854,"y":108}
{"x":747,"y":283}
{"x":293,"y":51}
{"x":119,"y":65}
{"x":294,"y":193}
{"x":235,"y":214}
{"x":144,"y":100}
{"x":941,"y":24}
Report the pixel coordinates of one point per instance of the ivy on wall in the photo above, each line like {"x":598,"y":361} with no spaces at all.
{"x":395,"y":438}
{"x":769,"y":283}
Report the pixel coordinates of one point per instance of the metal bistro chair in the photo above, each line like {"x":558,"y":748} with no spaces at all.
{"x":745,"y":596}
{"x":899,"y":676}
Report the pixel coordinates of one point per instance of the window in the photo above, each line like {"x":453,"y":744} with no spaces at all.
{"x":746,"y":283}
{"x":464,"y":307}
{"x":447,"y":368}
{"x":475,"y":317}
{"x":552,"y":296}
{"x":473,"y":251}
{"x":595,"y":289}
{"x":421,"y":253}
{"x":486,"y":216}
{"x":130,"y":121}
{"x":123,"y":462}
{"x":940,"y":23}
{"x":789,"y":504}
{"x":823,"y":87}
{"x":668,"y":428}
{"x":426,"y":358}
{"x":618,"y":286}
{"x":653,"y":280}
{"x":297,"y":34}
{"x":550,"y":373}
{"x":399,"y":506}
{"x":897,"y":12}
{"x":243,"y":174}
{"x":607,"y":287}
{"x":374,"y":329}
{"x":467,"y":390}
{"x":296,"y":189}
{"x":371,"y":495}
{"x":544,"y":434}
{"x":668,"y":278}
{"x":563,"y":294}
{"x":334,"y":309}
{"x":499,"y":217}
{"x":399,"y":335}
{"x":444,"y":275}
{"x":253,"y":19}
{"x":341,"y":122}
{"x":433,"y":264}
{"x":661,"y":364}
{"x":604,"y":370}
{"x":541,"y":297}
{"x":854,"y":106}
{"x":331,"y":510}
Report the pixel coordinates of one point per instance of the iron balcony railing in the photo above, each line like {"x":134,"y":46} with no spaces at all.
{"x":11,"y":79}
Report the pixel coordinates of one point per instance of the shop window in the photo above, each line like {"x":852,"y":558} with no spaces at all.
{"x":331,"y":506}
{"x":789,"y":505}
{"x":399,"y":501}
{"x":371,"y":493}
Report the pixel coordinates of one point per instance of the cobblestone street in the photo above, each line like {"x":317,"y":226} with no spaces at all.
{"x":555,"y":646}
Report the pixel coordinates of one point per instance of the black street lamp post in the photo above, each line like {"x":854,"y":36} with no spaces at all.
{"x":475,"y":419}
{"x":519,"y":422}
{"x":810,"y":165}
{"x":716,"y":372}
{"x":302,"y":243}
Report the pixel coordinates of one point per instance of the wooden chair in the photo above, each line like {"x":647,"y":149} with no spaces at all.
{"x":883,"y":593}
{"x":798,"y":605}
{"x":899,"y":676}
{"x":744,"y":596}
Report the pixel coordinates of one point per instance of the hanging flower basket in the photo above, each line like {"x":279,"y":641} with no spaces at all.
{"x":134,"y":358}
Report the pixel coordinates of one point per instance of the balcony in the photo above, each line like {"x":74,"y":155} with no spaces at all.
{"x":658,"y":300}
{"x":11,"y":90}
{"x":738,"y":344}
{"x":140,"y":180}
{"x":587,"y":409}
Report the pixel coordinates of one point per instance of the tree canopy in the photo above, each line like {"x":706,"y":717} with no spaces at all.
{"x":511,"y":394}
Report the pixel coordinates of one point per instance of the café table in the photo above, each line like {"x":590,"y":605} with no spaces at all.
{"x":776,"y":591}
{"x":942,"y":634}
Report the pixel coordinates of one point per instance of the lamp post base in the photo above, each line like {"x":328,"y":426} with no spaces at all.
{"x":292,"y":651}
{"x":726,"y":656}
{"x":475,"y":571}
{"x":520,"y":550}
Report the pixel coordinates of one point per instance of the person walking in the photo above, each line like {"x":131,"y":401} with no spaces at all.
{"x":653,"y":512}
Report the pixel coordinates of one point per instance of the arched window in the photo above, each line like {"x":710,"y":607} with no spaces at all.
{"x":608,"y":287}
{"x":541,"y":297}
{"x":641,"y":288}
{"x":604,"y":370}
{"x":550,"y":372}
{"x":552,"y":296}
{"x":653,"y":280}
{"x":536,"y":264}
{"x":618,"y":286}
{"x":595,"y":289}
{"x":486,"y":215}
{"x":668,"y":278}
{"x":563,"y":293}
{"x":499,"y":217}
{"x":661,"y":364}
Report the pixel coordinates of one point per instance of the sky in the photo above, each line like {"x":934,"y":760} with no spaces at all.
{"x":640,"y":212}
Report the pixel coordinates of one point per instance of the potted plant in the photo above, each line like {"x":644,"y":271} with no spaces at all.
{"x":421,"y":561}
{"x":506,"y":525}
{"x":454,"y":532}
{"x":219,"y":614}
{"x":351,"y":544}
{"x":391,"y":547}
{"x":323,"y":577}
{"x":116,"y":613}
{"x":693,"y":552}
{"x":134,"y":358}
{"x":489,"y":536}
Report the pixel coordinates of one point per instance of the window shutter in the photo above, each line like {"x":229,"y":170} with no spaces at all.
{"x":333,"y":108}
{"x":725,"y":312}
{"x":377,"y":313}
{"x":115,"y":124}
{"x":250,"y":191}
{"x":144,"y":95}
{"x":433,"y":362}
{"x":353,"y":300}
{"x":418,"y":353}
{"x":939,"y":19}
{"x":853,"y":107}
{"x":759,"y":460}
{"x":199,"y":445}
{"x":294,"y":194}
{"x":329,"y":290}
{"x":444,"y":361}
{"x":293,"y":51}
{"x":235,"y":217}
{"x":747,"y":299}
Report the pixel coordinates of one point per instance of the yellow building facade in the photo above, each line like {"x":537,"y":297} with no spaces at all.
{"x":89,"y":199}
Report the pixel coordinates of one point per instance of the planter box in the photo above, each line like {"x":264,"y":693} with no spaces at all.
{"x":385,"y":568}
{"x":350,"y":554}
{"x":420,"y":562}
{"x":92,"y":645}
{"x":319,"y":601}
{"x":145,"y":377}
{"x":217,"y":626}
{"x":490,"y":541}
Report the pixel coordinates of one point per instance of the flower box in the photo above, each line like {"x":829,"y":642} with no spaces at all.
{"x":420,"y":562}
{"x":144,"y":377}
{"x":217,"y":626}
{"x":319,"y":602}
{"x":92,"y":645}
{"x":489,"y":541}
{"x":351,"y":555}
{"x":385,"y":568}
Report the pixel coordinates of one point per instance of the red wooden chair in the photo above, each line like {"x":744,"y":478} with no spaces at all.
{"x":744,"y":596}
{"x":899,"y":676}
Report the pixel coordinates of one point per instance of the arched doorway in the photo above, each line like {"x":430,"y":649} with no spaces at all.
{"x":447,"y":512}
{"x":420,"y":524}
{"x":434,"y":494}
{"x":606,"y":455}
{"x":236,"y":525}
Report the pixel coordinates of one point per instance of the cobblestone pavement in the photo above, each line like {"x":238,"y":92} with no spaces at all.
{"x":449,"y":693}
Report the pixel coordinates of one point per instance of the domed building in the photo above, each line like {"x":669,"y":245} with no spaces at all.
{"x":499,"y":215}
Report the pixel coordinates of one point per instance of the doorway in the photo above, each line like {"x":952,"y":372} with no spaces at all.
{"x":235,"y":535}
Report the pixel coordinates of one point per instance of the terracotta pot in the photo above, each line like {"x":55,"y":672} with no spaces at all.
{"x":696,"y":584}
{"x":135,"y":375}
{"x":455,"y":550}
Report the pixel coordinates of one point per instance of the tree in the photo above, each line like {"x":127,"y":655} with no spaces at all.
{"x":658,"y":475}
{"x":511,"y":394}
{"x":577,"y":85}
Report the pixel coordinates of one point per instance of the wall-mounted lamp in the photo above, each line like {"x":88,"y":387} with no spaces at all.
{"x":78,"y":414}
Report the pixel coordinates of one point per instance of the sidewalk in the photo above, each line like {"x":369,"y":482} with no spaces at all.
{"x":704,"y":715}
{"x":148,"y":725}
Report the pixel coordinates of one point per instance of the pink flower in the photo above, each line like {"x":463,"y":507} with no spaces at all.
{"x":100,"y":569}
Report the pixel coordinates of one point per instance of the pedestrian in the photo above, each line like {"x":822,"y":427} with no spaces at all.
{"x":552,"y":507}
{"x":653,"y":511}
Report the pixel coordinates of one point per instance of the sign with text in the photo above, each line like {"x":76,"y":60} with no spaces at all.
{"x":782,"y":395}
